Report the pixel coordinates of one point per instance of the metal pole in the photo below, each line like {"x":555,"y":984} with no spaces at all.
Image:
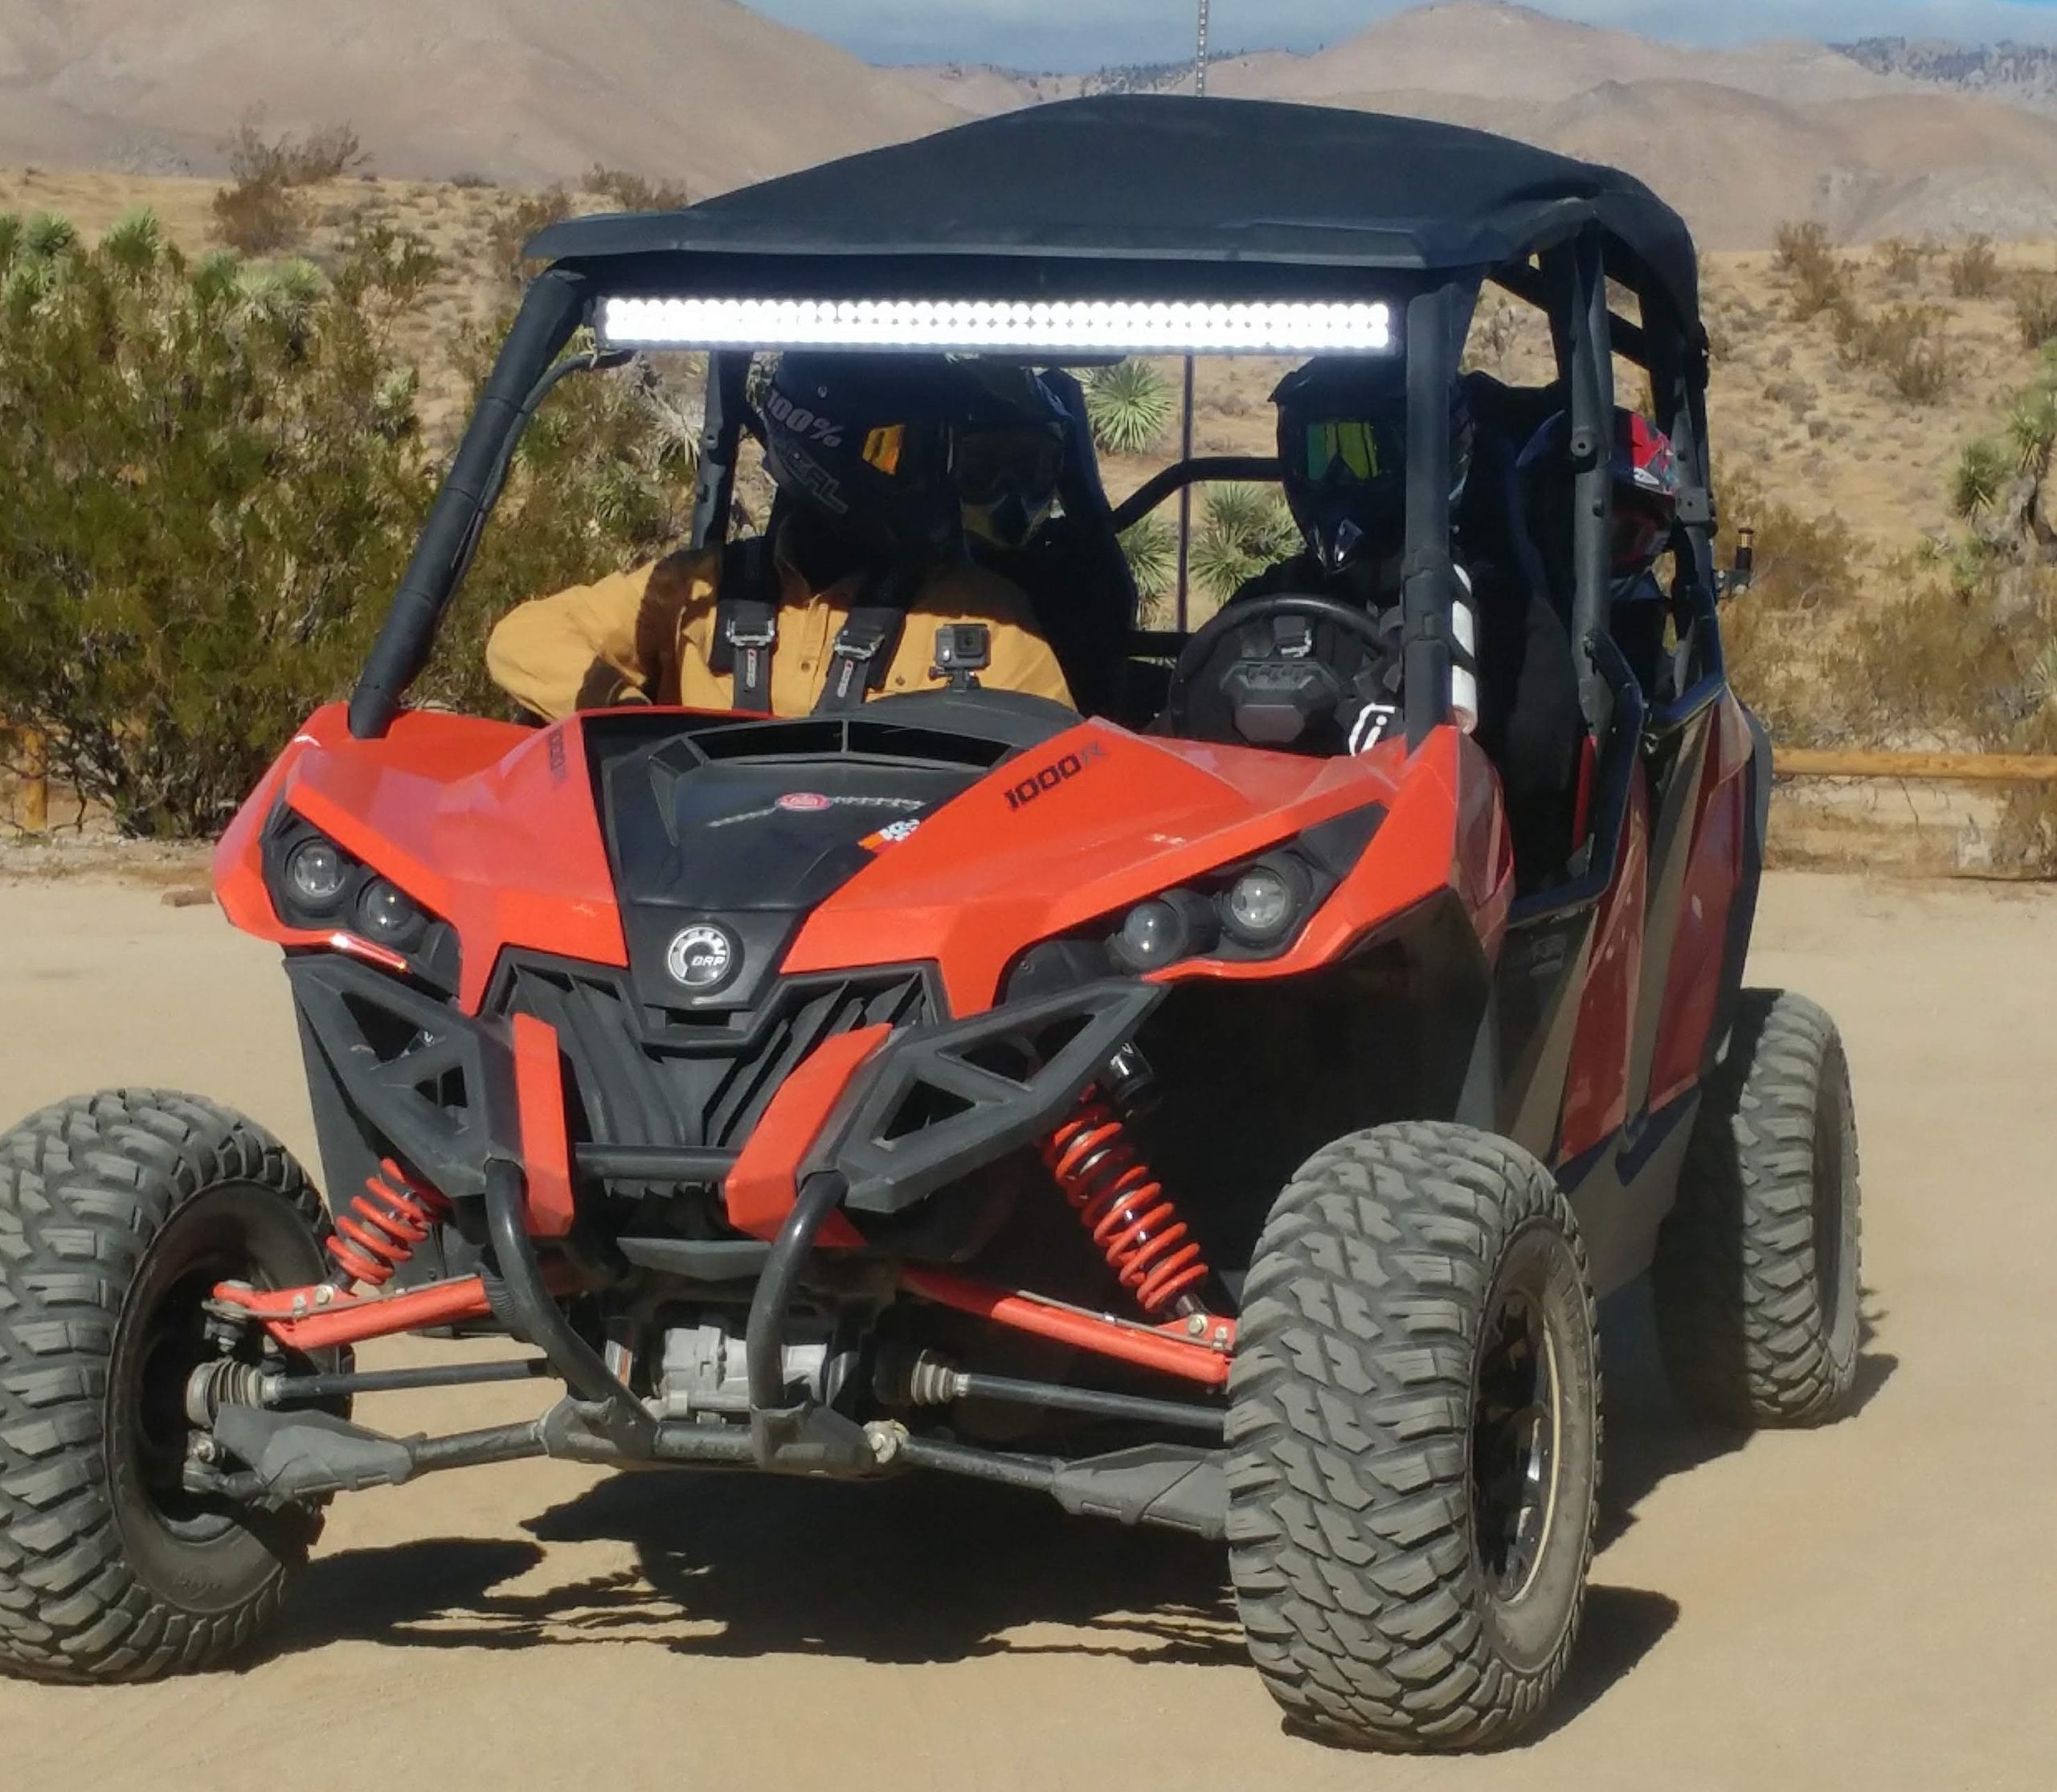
{"x":1185,"y":430}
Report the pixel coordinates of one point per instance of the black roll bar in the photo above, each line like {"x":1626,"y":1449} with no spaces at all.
{"x":553,"y":309}
{"x":721,"y":435}
{"x":1592,"y":458}
{"x":1430,"y":575}
{"x":1257,"y":469}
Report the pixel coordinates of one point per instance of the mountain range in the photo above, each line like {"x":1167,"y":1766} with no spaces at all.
{"x":1881,"y":138}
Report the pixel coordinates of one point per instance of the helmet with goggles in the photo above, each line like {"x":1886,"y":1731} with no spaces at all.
{"x":1007,"y":454}
{"x":1343,"y":455}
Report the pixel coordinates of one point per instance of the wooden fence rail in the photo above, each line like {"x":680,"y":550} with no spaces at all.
{"x":1947,"y":768}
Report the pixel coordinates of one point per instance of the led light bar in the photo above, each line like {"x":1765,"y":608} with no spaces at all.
{"x":964,"y":326}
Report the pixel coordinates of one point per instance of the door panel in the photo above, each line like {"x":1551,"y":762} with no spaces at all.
{"x":1694,"y":975}
{"x":1597,"y":1089}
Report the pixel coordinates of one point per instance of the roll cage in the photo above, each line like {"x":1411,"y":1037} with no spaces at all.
{"x":1217,"y":203}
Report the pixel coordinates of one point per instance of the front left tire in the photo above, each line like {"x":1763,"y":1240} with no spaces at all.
{"x":119,"y":1213}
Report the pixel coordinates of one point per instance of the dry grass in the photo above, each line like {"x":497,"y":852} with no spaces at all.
{"x":1975,"y":271}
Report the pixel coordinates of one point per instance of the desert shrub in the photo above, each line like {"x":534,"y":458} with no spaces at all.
{"x":1128,"y":406}
{"x":1908,"y":345}
{"x":325,"y":154}
{"x":1809,"y":578}
{"x":520,"y":216}
{"x":1975,"y":270}
{"x":1818,"y":278}
{"x":633,"y":193}
{"x":260,"y":212}
{"x":1246,"y":529}
{"x":209,"y":470}
{"x":2035,"y":304}
{"x":1967,"y":656}
{"x":259,"y":217}
{"x":215,"y":475}
{"x":1905,"y":261}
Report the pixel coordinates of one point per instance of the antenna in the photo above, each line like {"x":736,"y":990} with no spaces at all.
{"x":1185,"y":426}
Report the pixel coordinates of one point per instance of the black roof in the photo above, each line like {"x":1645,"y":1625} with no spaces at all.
{"x":1167,"y":179}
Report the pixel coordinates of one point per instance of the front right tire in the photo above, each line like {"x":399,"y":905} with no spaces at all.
{"x":1414,"y":1441}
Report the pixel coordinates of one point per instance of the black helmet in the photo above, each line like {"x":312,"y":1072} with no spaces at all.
{"x":863,"y":442}
{"x":1343,"y":450}
{"x":1007,"y":457}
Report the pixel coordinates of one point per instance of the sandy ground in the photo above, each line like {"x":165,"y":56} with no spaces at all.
{"x":1871,"y":1606}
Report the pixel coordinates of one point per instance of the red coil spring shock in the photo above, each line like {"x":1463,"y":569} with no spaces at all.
{"x":1131,"y":1219}
{"x":384,"y":1224}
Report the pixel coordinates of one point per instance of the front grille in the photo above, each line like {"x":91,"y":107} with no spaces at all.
{"x":661,"y":1077}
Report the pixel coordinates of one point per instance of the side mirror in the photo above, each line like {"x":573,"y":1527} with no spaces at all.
{"x":1743,"y":573}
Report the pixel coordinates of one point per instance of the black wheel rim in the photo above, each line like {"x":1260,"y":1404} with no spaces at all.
{"x":230,"y":1232}
{"x":1516,"y":1420}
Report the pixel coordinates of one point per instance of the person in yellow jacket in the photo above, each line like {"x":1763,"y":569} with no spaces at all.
{"x":861,"y":565}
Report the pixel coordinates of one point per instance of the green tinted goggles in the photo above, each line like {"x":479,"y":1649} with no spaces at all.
{"x":1349,"y":450}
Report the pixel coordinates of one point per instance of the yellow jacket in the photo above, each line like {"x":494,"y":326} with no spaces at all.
{"x":645,"y":637}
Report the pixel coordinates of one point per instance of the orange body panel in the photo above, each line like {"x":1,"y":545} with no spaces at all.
{"x":545,"y":1150}
{"x":1596,"y":1090}
{"x":762,"y":1187}
{"x":489,"y":826}
{"x":1445,"y":829}
{"x":984,"y":878}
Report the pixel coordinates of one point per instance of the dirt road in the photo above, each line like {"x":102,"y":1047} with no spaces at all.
{"x":1874,"y":1606}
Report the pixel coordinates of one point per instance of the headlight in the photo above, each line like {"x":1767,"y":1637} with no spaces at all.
{"x":1162,"y":931}
{"x":1267,"y":902}
{"x":389,"y":915}
{"x":317,"y":875}
{"x":1246,"y":912}
{"x":321,"y":888}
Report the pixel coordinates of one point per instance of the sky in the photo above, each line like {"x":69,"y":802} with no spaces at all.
{"x":1056,"y":34}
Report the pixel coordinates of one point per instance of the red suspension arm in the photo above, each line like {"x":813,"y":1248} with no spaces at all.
{"x":1173,"y":1349}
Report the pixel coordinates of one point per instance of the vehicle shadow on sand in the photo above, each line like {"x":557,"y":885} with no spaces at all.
{"x":1649,"y":1438}
{"x":918,"y":1572}
{"x":927,"y":1570}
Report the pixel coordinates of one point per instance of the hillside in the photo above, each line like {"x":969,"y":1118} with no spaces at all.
{"x":1737,"y":139}
{"x":1492,"y":49}
{"x":704,"y":91}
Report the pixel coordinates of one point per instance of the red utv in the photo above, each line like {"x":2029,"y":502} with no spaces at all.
{"x":1195,"y":1134}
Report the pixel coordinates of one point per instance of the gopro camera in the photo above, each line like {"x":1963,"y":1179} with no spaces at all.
{"x":963,"y":649}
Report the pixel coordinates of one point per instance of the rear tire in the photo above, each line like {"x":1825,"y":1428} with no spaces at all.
{"x":1757,"y":1274}
{"x":118,"y":1212}
{"x":1415,"y":1441}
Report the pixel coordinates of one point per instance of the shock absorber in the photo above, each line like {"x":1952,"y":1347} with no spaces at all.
{"x":382,"y":1225}
{"x":1124,"y":1207}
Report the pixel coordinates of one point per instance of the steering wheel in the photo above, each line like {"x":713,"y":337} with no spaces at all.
{"x":1200,"y":648}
